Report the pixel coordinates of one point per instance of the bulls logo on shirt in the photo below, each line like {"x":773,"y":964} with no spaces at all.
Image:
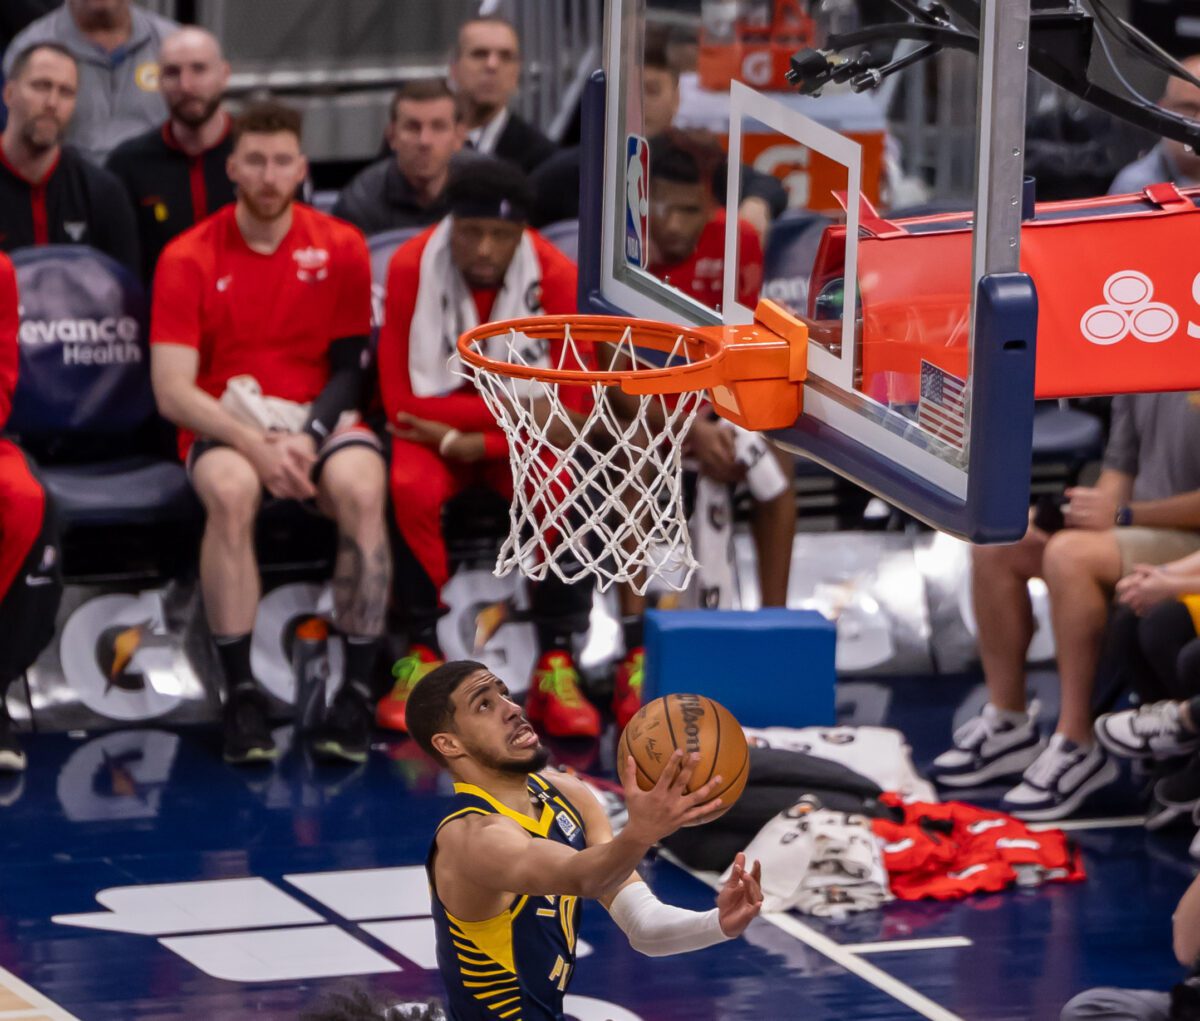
{"x":312,"y":264}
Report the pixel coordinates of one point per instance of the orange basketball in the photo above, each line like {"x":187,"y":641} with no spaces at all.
{"x":691,"y":723}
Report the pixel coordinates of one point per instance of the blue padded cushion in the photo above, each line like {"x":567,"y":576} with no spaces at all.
{"x":771,"y":667}
{"x":563,"y":235}
{"x":130,"y":491}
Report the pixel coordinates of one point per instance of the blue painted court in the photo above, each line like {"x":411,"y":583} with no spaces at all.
{"x":144,"y":879}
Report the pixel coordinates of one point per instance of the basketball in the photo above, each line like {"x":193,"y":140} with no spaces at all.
{"x":691,"y":723}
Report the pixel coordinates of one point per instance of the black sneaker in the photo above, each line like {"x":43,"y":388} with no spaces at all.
{"x":1181,"y":790}
{"x":247,"y":732}
{"x":346,"y":732}
{"x":12,"y":758}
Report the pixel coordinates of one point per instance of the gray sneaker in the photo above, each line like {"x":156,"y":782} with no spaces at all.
{"x":1151,"y":731}
{"x":988,"y":747}
{"x":1059,"y":781}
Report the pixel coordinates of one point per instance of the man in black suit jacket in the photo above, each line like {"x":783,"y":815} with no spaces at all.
{"x":485,"y":70}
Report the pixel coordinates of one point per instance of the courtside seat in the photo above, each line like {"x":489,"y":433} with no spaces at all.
{"x":85,"y":411}
{"x":1065,"y":439}
{"x":563,"y":235}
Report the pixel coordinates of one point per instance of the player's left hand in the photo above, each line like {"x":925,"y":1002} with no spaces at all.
{"x":418,"y":430}
{"x":740,"y":899}
{"x":1145,"y":588}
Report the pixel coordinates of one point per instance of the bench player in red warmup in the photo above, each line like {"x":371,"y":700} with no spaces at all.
{"x":259,"y":337}
{"x":480,"y":264}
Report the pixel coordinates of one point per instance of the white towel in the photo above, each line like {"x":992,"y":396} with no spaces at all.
{"x":445,"y":310}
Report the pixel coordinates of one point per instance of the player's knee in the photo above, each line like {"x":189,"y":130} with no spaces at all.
{"x":231,"y":498}
{"x":360,"y":497}
{"x":1068,"y":555}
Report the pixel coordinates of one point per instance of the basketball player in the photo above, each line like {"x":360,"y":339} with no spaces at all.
{"x":258,"y":345}
{"x":516,"y":852}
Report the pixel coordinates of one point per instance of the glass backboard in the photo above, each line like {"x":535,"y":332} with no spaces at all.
{"x":709,"y":181}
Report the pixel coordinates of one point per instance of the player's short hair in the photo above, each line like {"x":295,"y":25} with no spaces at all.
{"x":21,"y":60}
{"x":684,"y":157}
{"x":490,"y":188}
{"x":655,"y":53}
{"x":267,"y":117}
{"x":485,"y":20}
{"x":424,"y":90}
{"x":429,"y":710}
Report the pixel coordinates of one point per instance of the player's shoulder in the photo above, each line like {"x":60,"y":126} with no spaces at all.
{"x":197,"y":245}
{"x":128,"y":154}
{"x":570,"y":787}
{"x":335,"y":232}
{"x":407,"y":256}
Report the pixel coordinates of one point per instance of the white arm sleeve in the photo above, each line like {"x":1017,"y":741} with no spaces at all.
{"x":657,"y":929}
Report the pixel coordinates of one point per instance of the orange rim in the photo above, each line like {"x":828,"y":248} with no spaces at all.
{"x":704,"y":346}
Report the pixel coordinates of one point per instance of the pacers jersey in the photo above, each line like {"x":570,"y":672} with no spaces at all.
{"x":516,"y":965}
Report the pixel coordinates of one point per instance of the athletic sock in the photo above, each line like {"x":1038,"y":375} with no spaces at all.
{"x":234,"y":653}
{"x":362,"y":656}
{"x":1012,"y":716}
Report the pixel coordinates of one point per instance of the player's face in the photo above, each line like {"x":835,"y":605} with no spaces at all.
{"x":192,"y":77}
{"x":267,"y":169}
{"x":424,"y":136}
{"x":492,"y":728}
{"x":482,"y":248}
{"x":42,"y":99}
{"x":660,"y":100}
{"x":488,"y":66}
{"x":678,"y":213}
{"x":1183,"y":98}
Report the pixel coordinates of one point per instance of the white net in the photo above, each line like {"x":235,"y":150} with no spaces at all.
{"x":597,"y":473}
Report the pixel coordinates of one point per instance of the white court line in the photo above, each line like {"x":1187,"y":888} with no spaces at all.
{"x":39,"y":1006}
{"x":1116,"y":822}
{"x":837,"y":953}
{"x":892,"y":946}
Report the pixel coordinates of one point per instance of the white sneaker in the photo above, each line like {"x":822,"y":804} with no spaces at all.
{"x":1151,"y":731}
{"x":1059,"y":781}
{"x":988,"y":747}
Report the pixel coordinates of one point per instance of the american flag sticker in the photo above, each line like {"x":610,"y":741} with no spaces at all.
{"x":941,"y":409}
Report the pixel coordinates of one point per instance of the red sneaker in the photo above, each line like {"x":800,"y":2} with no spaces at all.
{"x":627,"y":687}
{"x":555,"y":701}
{"x":389,"y":711}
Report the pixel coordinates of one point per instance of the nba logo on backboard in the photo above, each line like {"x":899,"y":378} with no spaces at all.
{"x":637,"y":200}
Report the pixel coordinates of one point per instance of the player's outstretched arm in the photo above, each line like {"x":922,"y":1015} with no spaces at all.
{"x":657,"y":929}
{"x":518,"y":864}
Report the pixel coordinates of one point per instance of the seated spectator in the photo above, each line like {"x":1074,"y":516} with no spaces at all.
{"x":116,"y":44}
{"x":1143,"y":510}
{"x":556,"y":182}
{"x":480,"y":264}
{"x":1168,"y":160}
{"x":485,"y":71}
{"x":49,"y":194}
{"x":424,"y":132}
{"x":1163,"y":606}
{"x":687,"y":227}
{"x":175,"y":172}
{"x":258,"y":339}
{"x":30,"y":581}
{"x":1180,"y":1004}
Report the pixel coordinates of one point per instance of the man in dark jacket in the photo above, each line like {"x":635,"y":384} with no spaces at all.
{"x":50,"y":194}
{"x":485,"y":71}
{"x":405,"y":189}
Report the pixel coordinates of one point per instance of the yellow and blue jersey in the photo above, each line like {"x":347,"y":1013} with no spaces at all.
{"x":516,"y":965}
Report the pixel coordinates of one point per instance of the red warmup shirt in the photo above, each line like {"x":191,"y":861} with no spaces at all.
{"x":702,"y":274}
{"x":464,"y":409}
{"x":8,"y":336}
{"x":273,"y":316}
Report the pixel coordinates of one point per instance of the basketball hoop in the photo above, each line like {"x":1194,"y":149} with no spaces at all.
{"x":597,"y":454}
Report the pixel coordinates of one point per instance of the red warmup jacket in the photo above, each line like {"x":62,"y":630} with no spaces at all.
{"x":464,"y":409}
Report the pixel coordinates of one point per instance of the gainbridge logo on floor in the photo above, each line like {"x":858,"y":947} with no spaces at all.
{"x":250,"y":930}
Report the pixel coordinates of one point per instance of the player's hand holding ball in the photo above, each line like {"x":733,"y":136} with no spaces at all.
{"x":665,"y":807}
